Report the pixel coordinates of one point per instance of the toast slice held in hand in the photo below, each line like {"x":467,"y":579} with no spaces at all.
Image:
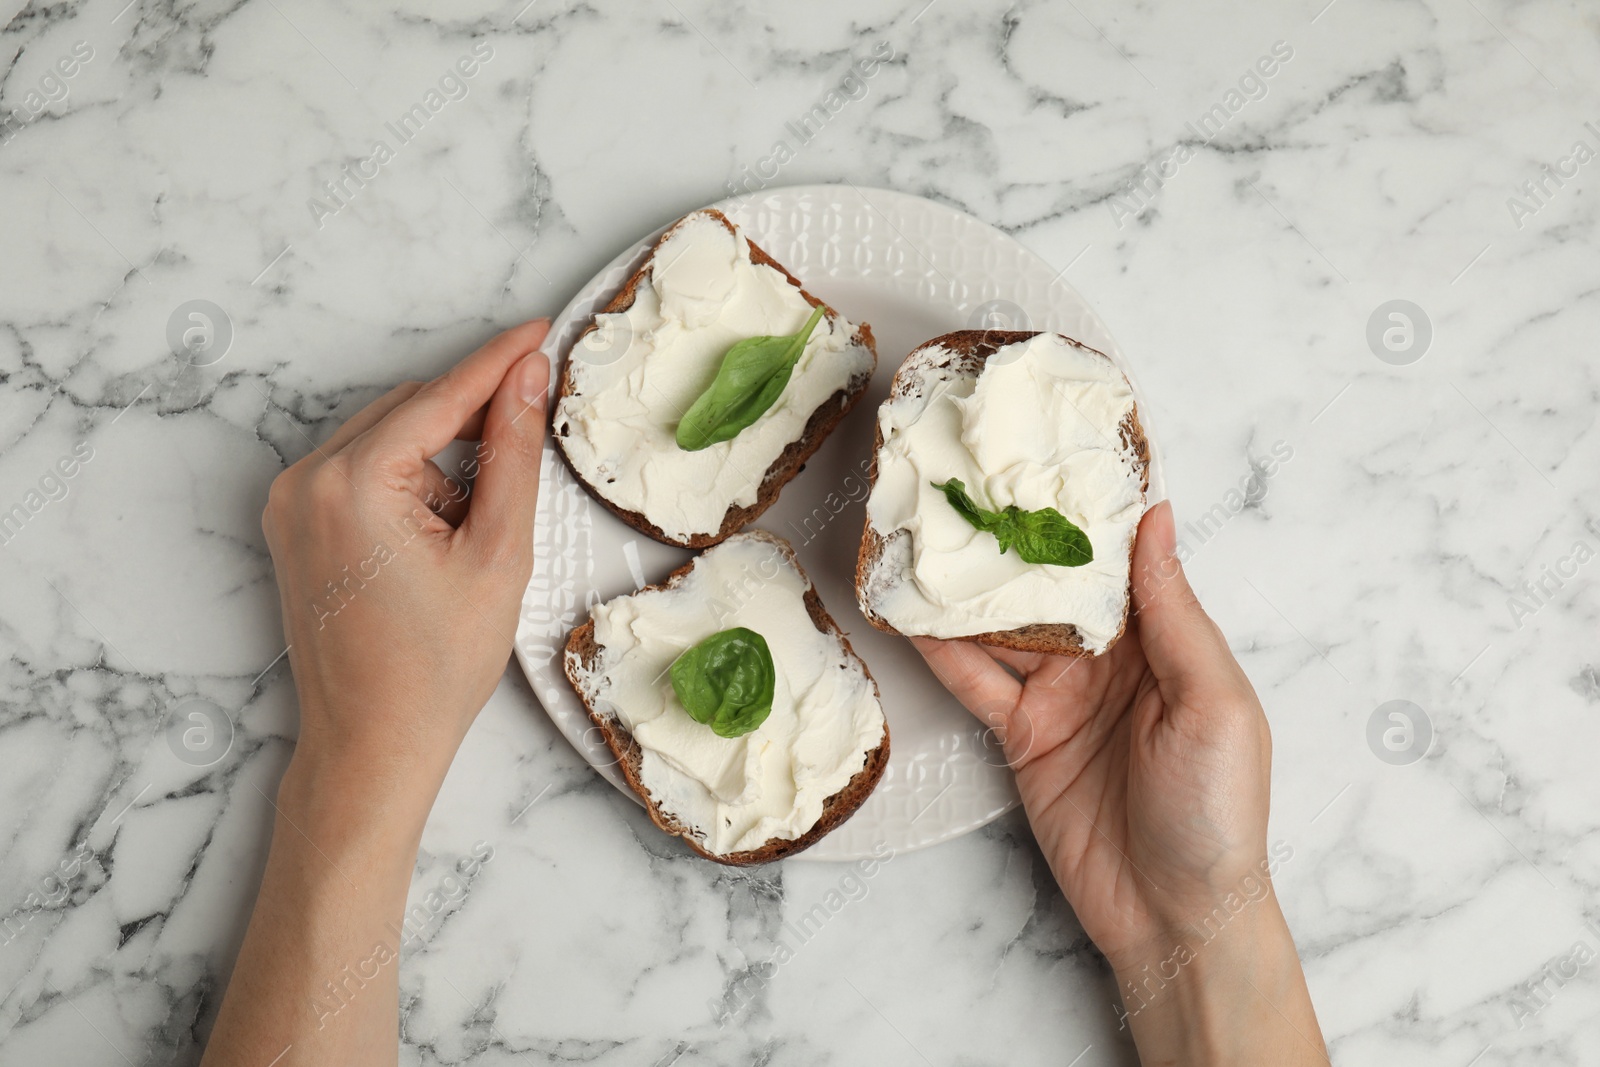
{"x":1008,"y":478}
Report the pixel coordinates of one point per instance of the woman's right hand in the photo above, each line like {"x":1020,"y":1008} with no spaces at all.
{"x":1145,"y":773}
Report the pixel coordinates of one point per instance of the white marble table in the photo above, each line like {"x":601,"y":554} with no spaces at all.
{"x":1442,"y":900}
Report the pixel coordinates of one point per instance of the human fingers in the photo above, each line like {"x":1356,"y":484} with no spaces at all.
{"x":445,"y":496}
{"x":973,"y":677}
{"x":443,"y":408}
{"x":373,"y":413}
{"x":1024,"y":663}
{"x":501,"y":517}
{"x":472,"y":429}
{"x":370,"y":416}
{"x":1180,"y":642}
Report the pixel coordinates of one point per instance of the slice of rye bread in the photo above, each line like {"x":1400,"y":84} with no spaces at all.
{"x":583,"y":652}
{"x":827,"y":415}
{"x":967,"y":351}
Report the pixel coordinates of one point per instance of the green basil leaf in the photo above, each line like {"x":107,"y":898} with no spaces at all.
{"x":956,"y":492}
{"x":1043,"y":536}
{"x":751,"y":378}
{"x":1047,"y":536}
{"x":1005,"y":532}
{"x":726,"y":681}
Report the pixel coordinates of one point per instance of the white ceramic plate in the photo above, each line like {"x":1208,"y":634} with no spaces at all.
{"x":914,"y":269}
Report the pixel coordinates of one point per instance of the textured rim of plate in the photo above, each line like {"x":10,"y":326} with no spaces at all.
{"x":875,"y":236}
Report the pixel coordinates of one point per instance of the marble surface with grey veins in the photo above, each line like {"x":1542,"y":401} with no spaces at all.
{"x":1430,"y":537}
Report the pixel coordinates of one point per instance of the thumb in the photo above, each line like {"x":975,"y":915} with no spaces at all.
{"x":500,"y":521}
{"x":1181,"y":643}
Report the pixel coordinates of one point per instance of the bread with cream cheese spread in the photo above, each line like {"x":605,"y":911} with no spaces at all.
{"x":586,"y":663}
{"x":883,"y":562}
{"x":595,"y":466}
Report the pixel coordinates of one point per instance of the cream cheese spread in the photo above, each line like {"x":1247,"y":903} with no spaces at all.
{"x":1038,"y":427}
{"x":641,"y":369}
{"x":736,"y":793}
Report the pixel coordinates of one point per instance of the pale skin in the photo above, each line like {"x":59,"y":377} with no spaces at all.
{"x":1144,"y":773}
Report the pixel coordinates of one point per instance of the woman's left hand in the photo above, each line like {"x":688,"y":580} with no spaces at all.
{"x":399,"y":590}
{"x":400,"y":597}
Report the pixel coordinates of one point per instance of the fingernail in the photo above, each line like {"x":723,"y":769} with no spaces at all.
{"x":533,"y":380}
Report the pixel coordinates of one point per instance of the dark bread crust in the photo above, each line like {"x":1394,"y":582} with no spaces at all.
{"x":581,"y":654}
{"x":969,"y":351}
{"x":827,"y":415}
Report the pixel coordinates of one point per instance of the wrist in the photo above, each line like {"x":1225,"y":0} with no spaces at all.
{"x":1179,"y":960}
{"x":356,"y":803}
{"x":374,"y":741}
{"x":1226,"y":989}
{"x":1238,"y":888}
